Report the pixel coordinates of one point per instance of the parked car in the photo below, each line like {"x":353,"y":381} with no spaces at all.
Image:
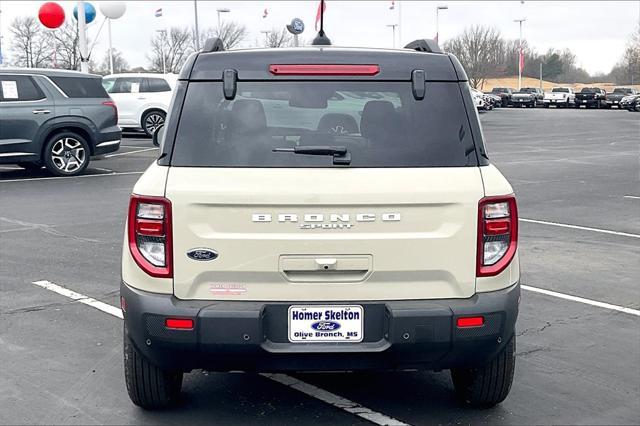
{"x":614,"y":98}
{"x":505,"y":94}
{"x":631,"y":103}
{"x":480,"y":101}
{"x":528,"y":97}
{"x":57,"y":119}
{"x":560,"y":97}
{"x":142,"y":99}
{"x":259,"y":242}
{"x":494,"y":100}
{"x":591,"y":97}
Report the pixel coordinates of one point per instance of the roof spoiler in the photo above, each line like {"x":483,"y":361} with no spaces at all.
{"x":424,"y":45}
{"x":213,"y":44}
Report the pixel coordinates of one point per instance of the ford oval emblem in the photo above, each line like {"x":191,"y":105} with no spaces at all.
{"x":202,"y":254}
{"x":325,"y":325}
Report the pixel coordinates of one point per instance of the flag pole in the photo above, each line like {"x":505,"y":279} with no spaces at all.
{"x":195,"y":14}
{"x":82,"y":32}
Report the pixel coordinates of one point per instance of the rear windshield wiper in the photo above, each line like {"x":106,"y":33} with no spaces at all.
{"x":340,"y":153}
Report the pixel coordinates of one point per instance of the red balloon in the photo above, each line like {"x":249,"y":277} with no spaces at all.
{"x":51,"y":15}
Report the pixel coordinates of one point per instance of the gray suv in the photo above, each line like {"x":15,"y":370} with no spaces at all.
{"x":57,"y":119}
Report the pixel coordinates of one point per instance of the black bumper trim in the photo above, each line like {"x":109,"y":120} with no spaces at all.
{"x":252,"y":336}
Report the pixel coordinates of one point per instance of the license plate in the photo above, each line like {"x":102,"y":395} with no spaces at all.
{"x":336,"y":323}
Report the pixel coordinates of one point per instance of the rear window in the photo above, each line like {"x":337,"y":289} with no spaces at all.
{"x":622,"y":90}
{"x":588,"y":90}
{"x":80,"y":87}
{"x":380,"y":124}
{"x":560,"y":90}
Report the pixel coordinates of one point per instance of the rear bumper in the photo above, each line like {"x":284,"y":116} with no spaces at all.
{"x":252,"y":336}
{"x":107,"y":141}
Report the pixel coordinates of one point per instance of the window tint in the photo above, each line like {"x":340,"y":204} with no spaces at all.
{"x":560,"y":90}
{"x":19,"y":88}
{"x":157,"y":85}
{"x":128,"y":85}
{"x":380,"y":124}
{"x":81,"y":87}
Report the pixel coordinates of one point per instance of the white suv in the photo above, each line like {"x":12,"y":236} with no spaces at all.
{"x":321,"y":209}
{"x":142,"y":99}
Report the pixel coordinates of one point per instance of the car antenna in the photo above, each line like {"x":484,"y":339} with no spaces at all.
{"x":321,"y":39}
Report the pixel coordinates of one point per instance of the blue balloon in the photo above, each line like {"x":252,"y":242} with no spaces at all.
{"x":89,"y":12}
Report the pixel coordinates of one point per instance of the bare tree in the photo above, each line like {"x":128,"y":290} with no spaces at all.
{"x":67,"y":46}
{"x":481,"y":50}
{"x":278,"y":38}
{"x":176,"y":45}
{"x":231,"y":33}
{"x":119,"y":63}
{"x":30,"y":43}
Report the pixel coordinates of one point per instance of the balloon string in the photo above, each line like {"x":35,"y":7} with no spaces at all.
{"x":96,"y":39}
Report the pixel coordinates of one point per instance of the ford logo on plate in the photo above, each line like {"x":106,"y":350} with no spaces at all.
{"x":202,"y":254}
{"x":325,"y":325}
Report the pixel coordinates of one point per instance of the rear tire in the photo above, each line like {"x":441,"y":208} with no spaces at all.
{"x":489,"y":385}
{"x":148,"y":386}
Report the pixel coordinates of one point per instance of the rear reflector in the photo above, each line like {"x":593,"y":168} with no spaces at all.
{"x":323,"y":69}
{"x":496,"y":226}
{"x":470,"y":322}
{"x":153,"y":228}
{"x":179,"y":323}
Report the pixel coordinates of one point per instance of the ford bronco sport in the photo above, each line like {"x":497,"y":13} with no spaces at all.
{"x":321,"y":209}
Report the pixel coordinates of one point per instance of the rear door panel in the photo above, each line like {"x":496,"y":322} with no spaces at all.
{"x":425,"y":247}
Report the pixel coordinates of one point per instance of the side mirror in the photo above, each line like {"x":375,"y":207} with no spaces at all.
{"x":158,"y":136}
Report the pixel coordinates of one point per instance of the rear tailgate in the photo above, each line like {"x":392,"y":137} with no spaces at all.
{"x":378,"y":234}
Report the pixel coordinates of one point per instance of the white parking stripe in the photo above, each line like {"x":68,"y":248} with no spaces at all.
{"x":583,"y":228}
{"x":104,"y":307}
{"x":634,"y":197}
{"x":130,"y":152}
{"x":71,"y":177}
{"x":306,"y":388}
{"x":630,"y":311}
{"x":333,"y":399}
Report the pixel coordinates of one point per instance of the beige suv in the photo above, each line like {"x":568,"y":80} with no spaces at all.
{"x":321,"y":209}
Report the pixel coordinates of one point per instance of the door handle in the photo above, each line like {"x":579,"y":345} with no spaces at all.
{"x":41,"y":111}
{"x":142,"y":98}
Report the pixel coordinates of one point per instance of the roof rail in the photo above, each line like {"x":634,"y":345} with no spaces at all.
{"x":213,"y":44}
{"x":424,"y":45}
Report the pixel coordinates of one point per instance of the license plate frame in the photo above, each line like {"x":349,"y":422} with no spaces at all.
{"x":317,"y":323}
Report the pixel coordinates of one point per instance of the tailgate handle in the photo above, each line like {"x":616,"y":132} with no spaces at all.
{"x":327,"y":264}
{"x":309,"y":268}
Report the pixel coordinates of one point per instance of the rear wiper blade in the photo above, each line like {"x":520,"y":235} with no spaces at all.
{"x":340,"y":153}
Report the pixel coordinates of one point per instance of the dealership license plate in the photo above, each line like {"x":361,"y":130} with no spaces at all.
{"x":336,"y":323}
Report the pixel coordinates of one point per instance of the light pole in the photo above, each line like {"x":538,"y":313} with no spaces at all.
{"x":266,"y":37}
{"x":221,"y":10}
{"x":163,"y":34}
{"x":520,"y":53}
{"x":110,"y":48}
{"x":438,"y":9}
{"x":393,"y":27}
{"x":195,"y":17}
{"x":82,"y":39}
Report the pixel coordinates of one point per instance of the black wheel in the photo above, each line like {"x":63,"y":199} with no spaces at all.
{"x":546,"y":105}
{"x":152,"y":121}
{"x":30,"y":166}
{"x":66,"y":154}
{"x":148,"y":386}
{"x":488,"y":385}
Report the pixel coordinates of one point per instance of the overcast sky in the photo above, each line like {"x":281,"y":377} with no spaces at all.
{"x":596,"y":31}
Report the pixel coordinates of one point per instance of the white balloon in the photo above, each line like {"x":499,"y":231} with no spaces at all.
{"x":113,"y":9}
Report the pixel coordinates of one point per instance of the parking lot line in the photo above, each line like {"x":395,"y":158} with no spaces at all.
{"x":583,"y":228}
{"x":306,"y":388}
{"x":89,"y":301}
{"x":634,"y":197}
{"x":333,"y":399}
{"x":71,"y":177}
{"x":630,"y":311}
{"x":130,"y":152}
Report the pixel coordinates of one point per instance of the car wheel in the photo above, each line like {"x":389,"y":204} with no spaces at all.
{"x":152,"y":121}
{"x":30,"y":166}
{"x":148,"y":386}
{"x":546,"y":105}
{"x":66,"y":154}
{"x":488,"y":385}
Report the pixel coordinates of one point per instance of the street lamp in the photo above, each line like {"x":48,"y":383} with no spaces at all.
{"x":163,"y":34}
{"x":520,"y":53}
{"x":393,"y":27}
{"x":438,"y":9}
{"x":221,"y":10}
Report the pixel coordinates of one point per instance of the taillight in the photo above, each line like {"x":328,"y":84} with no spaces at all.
{"x":324,"y":69}
{"x":112,"y":105}
{"x":497,"y":234}
{"x":149,"y":230}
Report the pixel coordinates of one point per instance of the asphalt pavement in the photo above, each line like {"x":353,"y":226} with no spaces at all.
{"x":575,"y":173}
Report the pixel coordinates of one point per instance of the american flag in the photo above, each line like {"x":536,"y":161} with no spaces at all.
{"x":265,"y":13}
{"x":159,"y":13}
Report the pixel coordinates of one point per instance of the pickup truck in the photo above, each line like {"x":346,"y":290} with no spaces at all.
{"x":614,"y":98}
{"x":528,"y":97}
{"x":560,"y":97}
{"x":505,"y":94}
{"x":591,"y":97}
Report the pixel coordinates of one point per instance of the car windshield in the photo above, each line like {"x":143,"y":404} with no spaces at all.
{"x":560,"y":90}
{"x":380,"y":124}
{"x":622,"y":90}
{"x":499,"y":90}
{"x":588,"y":90}
{"x":108,"y":83}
